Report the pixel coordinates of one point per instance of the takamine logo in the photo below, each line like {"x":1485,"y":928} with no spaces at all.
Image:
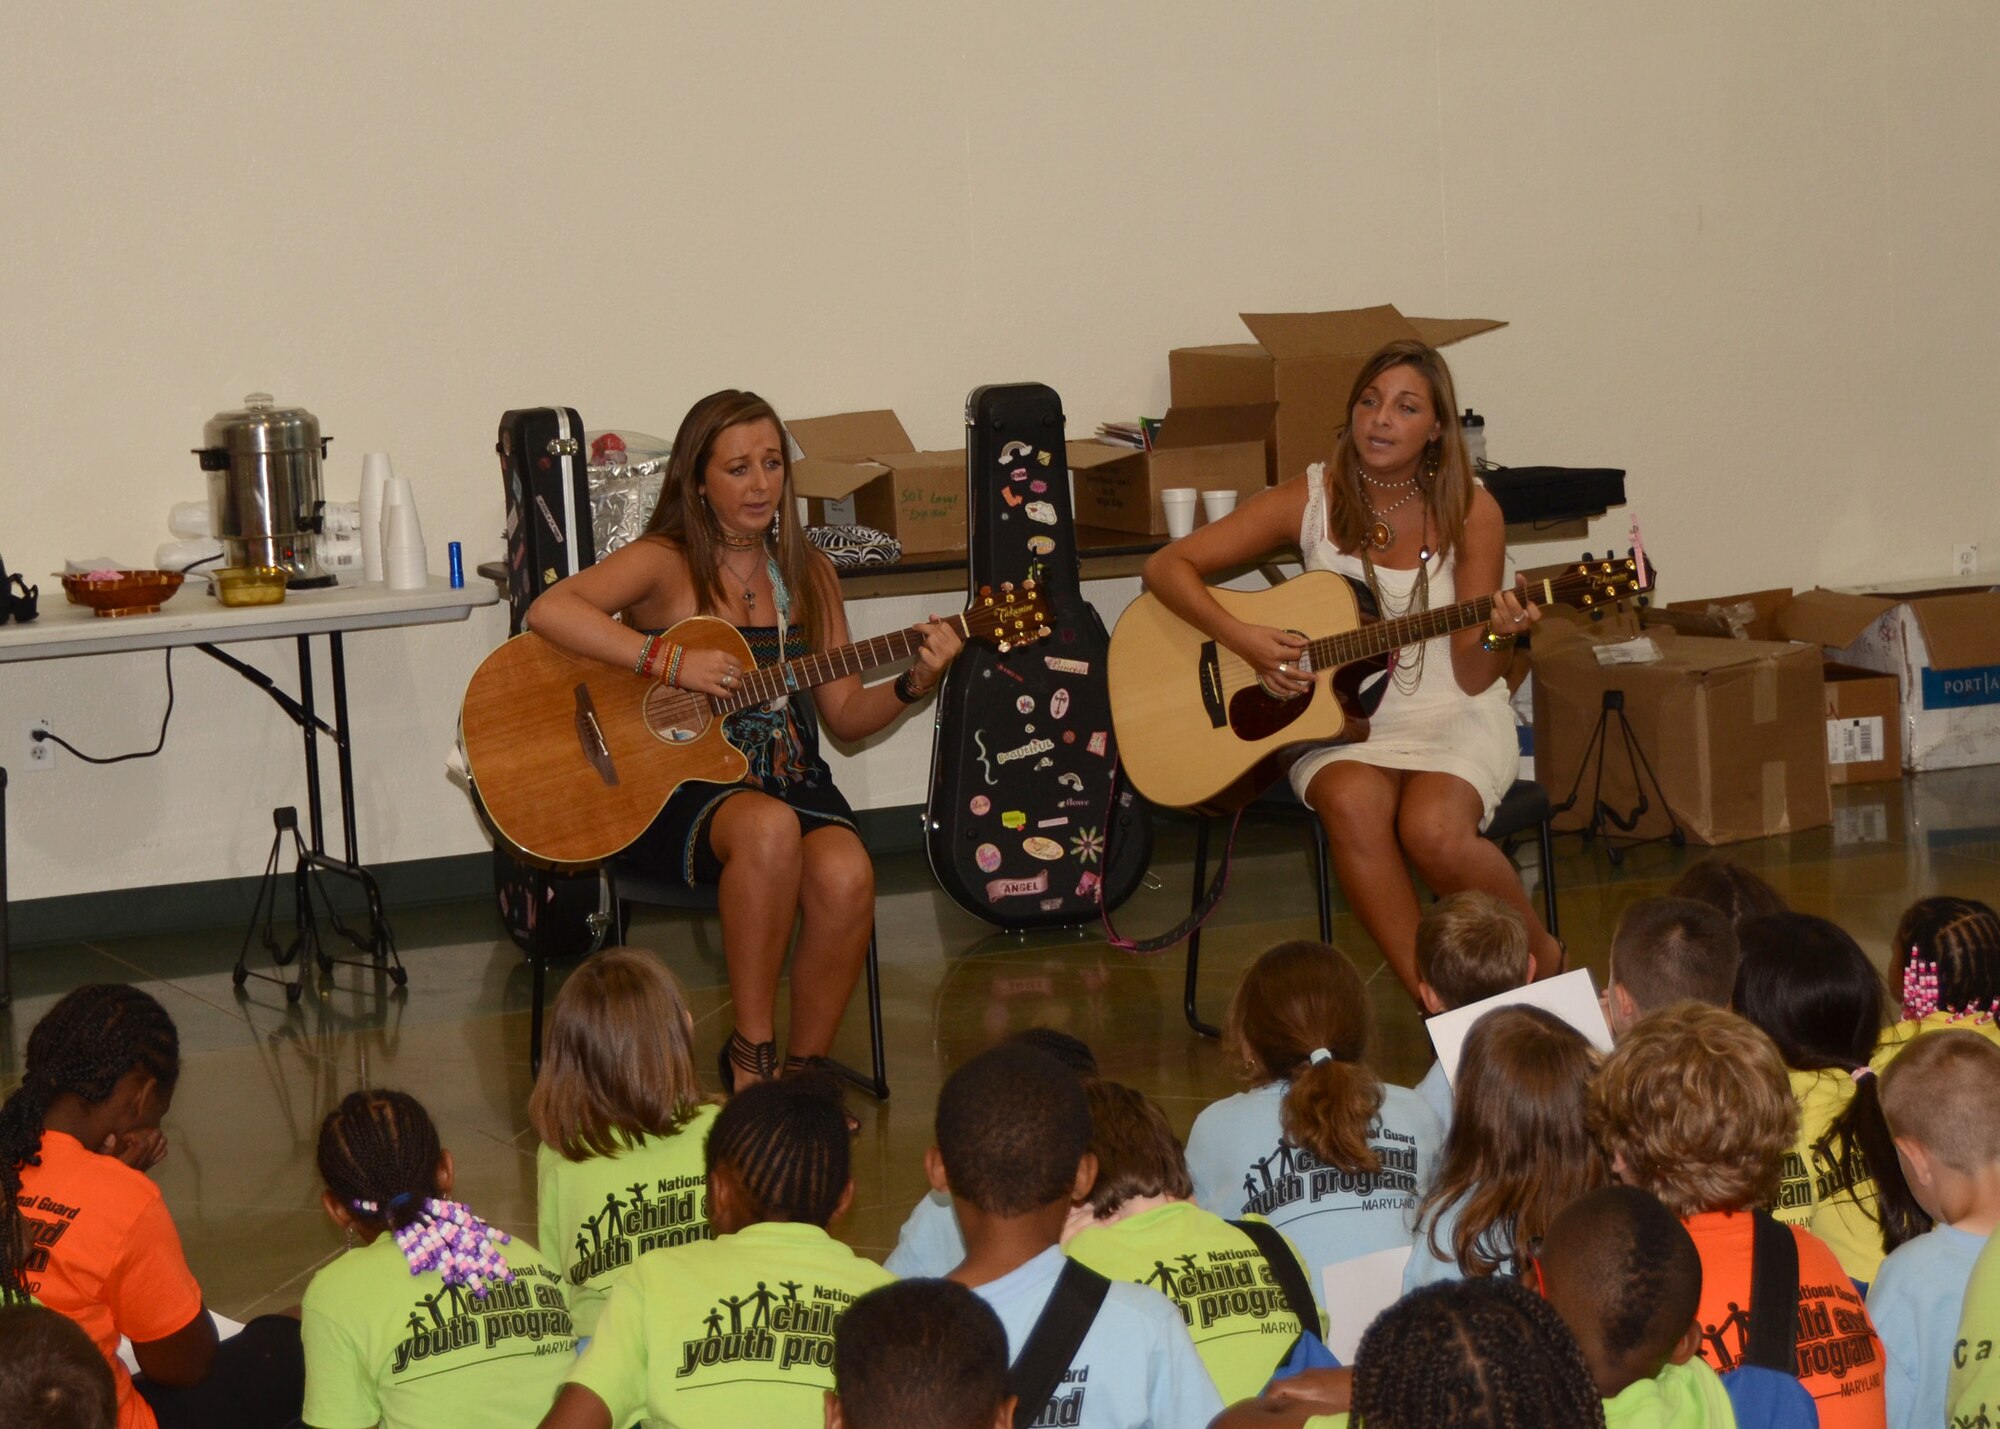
{"x":1956,"y":689}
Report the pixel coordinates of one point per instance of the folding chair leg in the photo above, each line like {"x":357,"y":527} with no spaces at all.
{"x":1323,"y":868}
{"x":877,"y":1084}
{"x":1547,"y":841}
{"x":1206,"y":1029}
{"x":535,"y":1013}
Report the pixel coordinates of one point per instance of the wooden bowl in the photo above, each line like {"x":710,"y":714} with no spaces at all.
{"x":132,"y":593}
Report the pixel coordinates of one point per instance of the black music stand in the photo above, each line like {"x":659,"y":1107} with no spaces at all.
{"x":1603,"y":818}
{"x":308,"y":883}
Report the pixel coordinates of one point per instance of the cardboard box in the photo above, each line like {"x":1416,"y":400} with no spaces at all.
{"x":1863,"y":743}
{"x":1733,"y":730}
{"x":1942,"y":649}
{"x":1751,"y":616}
{"x":1305,"y":362}
{"x":1207,"y":448}
{"x":861,"y":468}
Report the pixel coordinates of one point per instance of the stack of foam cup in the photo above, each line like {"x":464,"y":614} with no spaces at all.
{"x":405,"y":563}
{"x":375,"y":476}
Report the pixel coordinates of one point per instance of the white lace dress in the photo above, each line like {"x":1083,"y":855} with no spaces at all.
{"x":1436,"y":726}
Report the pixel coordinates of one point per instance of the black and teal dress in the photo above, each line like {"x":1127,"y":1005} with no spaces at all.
{"x":782,"y":745}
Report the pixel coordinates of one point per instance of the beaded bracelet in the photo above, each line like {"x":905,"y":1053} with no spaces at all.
{"x":906,"y":688}
{"x":645,"y":654}
{"x":1493,"y":640}
{"x":673,"y":675}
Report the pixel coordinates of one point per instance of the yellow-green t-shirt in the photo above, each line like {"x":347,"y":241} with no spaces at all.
{"x":1680,"y":1396}
{"x":385,"y":1347}
{"x":1900,"y":1034}
{"x":1972,"y":1392}
{"x":1216,"y":1276}
{"x":726,"y":1333}
{"x":1830,"y":1195}
{"x":598,"y":1215}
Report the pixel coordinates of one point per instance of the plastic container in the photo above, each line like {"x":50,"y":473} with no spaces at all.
{"x":250,"y":585}
{"x":1472,"y":427}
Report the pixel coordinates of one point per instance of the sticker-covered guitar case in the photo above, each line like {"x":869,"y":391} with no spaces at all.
{"x":1025,"y":805}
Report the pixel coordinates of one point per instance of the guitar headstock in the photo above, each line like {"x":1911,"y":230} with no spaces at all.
{"x":1011,"y":616}
{"x":1592,"y":584}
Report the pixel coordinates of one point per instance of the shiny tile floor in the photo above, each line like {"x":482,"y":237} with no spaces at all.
{"x":259,"y":1074}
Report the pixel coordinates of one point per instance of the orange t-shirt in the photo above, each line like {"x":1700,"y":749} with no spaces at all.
{"x":1839,"y":1353}
{"x":103,"y":1251}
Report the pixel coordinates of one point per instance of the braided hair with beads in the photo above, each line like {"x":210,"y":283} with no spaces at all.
{"x":83,"y":1047}
{"x":787,"y":1143}
{"x":378,"y":1154}
{"x":1477,"y":1354}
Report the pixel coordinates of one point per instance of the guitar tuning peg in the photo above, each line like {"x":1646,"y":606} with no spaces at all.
{"x":1045,"y":632}
{"x":1005,"y":647}
{"x":1007,"y":587}
{"x":1588,"y":557}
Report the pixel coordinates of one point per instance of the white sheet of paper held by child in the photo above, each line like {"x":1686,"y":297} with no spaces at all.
{"x":1570,"y":996}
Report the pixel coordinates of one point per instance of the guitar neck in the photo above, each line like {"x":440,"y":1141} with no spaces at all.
{"x":773,"y":682}
{"x":1381,"y":636}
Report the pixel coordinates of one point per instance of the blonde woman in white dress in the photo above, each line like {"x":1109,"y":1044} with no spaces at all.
{"x":1398,"y":510}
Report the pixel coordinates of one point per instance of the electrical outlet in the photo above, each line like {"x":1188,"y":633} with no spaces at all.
{"x":41,"y":754}
{"x":1965,"y":560}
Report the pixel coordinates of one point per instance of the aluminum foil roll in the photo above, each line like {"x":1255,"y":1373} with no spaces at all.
{"x":626,"y":472}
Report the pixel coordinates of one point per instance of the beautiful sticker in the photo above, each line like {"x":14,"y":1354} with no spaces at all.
{"x":1026,"y":751}
{"x":1025,"y":704}
{"x":1058,"y":704}
{"x":1017,"y":887}
{"x":1014,"y":819}
{"x":981,"y":804}
{"x":1041,"y":545}
{"x":1066,"y":667}
{"x":1097,"y":743}
{"x":987,"y":856}
{"x":1041,"y":511}
{"x":1047,"y":850}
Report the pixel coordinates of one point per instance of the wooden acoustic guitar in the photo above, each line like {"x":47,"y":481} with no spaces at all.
{"x":1198,"y":730}
{"x":573,"y":758}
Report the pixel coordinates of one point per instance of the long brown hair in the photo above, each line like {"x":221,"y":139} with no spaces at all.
{"x":1298,"y":998}
{"x":1519,"y":1149}
{"x":682,"y":517}
{"x":1444,"y":470}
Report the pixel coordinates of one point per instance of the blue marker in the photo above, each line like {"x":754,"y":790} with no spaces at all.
{"x":457,"y":566}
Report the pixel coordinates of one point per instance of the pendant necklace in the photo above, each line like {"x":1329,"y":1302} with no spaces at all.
{"x":749,"y":595}
{"x":1381,"y":535}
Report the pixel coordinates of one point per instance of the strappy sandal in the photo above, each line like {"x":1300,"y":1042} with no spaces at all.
{"x":759,"y":1059}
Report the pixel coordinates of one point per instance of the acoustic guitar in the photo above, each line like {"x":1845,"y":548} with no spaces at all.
{"x":1198,"y":730}
{"x":573,"y":758}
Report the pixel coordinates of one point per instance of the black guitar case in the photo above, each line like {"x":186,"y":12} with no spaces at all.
{"x":1025,"y":804}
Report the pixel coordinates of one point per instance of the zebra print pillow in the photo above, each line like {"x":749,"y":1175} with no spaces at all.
{"x":849,"y":546}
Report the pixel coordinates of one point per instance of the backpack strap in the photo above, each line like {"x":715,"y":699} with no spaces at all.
{"x":1058,"y":1334}
{"x":1286,"y":1270}
{"x":1773,"y":1340}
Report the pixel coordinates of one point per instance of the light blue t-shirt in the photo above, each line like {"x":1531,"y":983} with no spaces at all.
{"x":1915,"y":1301}
{"x":1242,"y":1162}
{"x":1136,"y":1368}
{"x":930,"y":1245}
{"x":1436,"y":1092}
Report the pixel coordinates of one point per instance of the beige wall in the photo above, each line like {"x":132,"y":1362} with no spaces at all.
{"x":1746,"y":251}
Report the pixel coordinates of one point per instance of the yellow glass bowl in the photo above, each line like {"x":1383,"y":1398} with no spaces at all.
{"x":250,"y":585}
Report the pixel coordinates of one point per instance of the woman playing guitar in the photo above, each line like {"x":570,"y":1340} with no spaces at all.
{"x":781,"y":845}
{"x":1398,"y":510}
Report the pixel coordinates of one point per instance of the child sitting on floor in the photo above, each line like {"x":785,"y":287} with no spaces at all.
{"x":1812,"y":990}
{"x":1241,"y":1287}
{"x":1668,"y":950}
{"x":1518,"y":1151}
{"x":919,"y":1352}
{"x":1470,"y":946}
{"x":1318,"y":1146}
{"x":432,"y":1316}
{"x":1013,"y":1150}
{"x":1944,"y":966}
{"x":623,"y":1127}
{"x":1942,"y":1100}
{"x":1694,"y":1106}
{"x":51,"y":1375}
{"x":736,"y":1331}
{"x":1729,"y":888}
{"x":1623,"y":1274}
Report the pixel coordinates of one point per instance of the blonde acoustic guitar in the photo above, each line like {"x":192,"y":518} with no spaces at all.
{"x":573,"y":758}
{"x":1198,"y":730}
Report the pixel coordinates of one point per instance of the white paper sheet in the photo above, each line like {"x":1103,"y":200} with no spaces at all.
{"x":1571,"y":996}
{"x":1356,"y":1291}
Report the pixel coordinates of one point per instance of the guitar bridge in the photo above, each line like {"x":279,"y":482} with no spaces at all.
{"x":1209,"y":671}
{"x":591,"y":737}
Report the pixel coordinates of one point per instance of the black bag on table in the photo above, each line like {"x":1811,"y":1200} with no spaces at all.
{"x":544,"y":470}
{"x":1028,"y":825}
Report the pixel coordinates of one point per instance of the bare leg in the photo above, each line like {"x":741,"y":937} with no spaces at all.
{"x":837,"y":897}
{"x":1357,"y":805}
{"x":1438,"y":826}
{"x":756,"y":838}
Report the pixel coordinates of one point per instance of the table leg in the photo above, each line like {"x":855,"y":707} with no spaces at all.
{"x":6,"y":967}
{"x":342,"y":745}
{"x":310,"y":725}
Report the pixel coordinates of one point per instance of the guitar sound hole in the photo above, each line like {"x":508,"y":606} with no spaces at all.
{"x":676,"y":716}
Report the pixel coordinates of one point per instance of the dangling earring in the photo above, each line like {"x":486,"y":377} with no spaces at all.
{"x":350,"y":1238}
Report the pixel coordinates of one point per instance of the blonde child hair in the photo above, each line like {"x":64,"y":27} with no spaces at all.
{"x":1470,"y":946}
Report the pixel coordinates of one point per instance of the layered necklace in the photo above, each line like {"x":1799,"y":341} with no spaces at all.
{"x":1408,"y":670}
{"x":733,"y":542}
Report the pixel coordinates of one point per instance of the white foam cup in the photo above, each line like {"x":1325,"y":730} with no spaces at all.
{"x":1218,"y":504}
{"x":1178,"y":503}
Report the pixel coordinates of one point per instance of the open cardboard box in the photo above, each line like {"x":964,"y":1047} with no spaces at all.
{"x":1304,"y":362}
{"x":1207,"y":448}
{"x":861,"y":468}
{"x":1733,"y":729}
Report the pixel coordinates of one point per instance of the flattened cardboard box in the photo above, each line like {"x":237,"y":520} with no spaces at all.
{"x":1734,"y":731}
{"x":860,"y":468}
{"x":1305,"y":362}
{"x":1207,"y":448}
{"x":1944,"y":651}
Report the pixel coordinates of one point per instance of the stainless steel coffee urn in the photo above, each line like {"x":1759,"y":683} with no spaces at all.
{"x":263,"y":466}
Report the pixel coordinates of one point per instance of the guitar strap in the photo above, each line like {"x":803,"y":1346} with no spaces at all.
{"x":781,"y":597}
{"x":1203,"y":908}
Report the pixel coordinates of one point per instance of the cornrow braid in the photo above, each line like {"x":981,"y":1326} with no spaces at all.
{"x":378,"y":1153}
{"x":1480,"y":1354}
{"x":787,"y":1142}
{"x":82,"y":1047}
{"x":1960,"y":938}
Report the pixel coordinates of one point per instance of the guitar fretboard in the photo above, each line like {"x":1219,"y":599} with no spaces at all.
{"x":1382,"y":636}
{"x":772,"y":682}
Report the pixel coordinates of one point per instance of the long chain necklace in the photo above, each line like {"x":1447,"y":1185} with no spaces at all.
{"x":742,"y":581}
{"x":1408,"y":670}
